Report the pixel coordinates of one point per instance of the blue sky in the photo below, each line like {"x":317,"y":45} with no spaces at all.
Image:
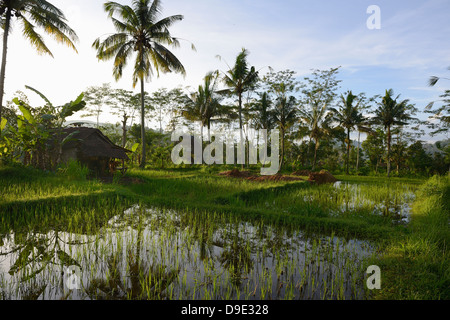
{"x":411,"y":46}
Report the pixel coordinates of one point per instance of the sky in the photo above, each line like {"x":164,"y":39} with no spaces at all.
{"x":410,"y":46}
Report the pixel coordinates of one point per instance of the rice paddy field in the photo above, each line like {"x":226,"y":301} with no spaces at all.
{"x":194,"y":235}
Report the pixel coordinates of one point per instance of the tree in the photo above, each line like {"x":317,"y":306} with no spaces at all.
{"x":205,"y":104}
{"x":31,"y":14}
{"x":441,"y":113}
{"x":319,"y":94}
{"x":240,"y":79}
{"x":123,"y":105}
{"x":97,"y":97}
{"x":285,"y":114}
{"x":34,"y":130}
{"x":349,"y":117}
{"x":374,"y":147}
{"x":418,"y":159}
{"x":140,"y":32}
{"x":262,"y":113}
{"x":283,"y":84}
{"x":391,"y":112}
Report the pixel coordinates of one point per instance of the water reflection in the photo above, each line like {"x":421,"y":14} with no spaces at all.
{"x":393,"y":202}
{"x":163,"y":254}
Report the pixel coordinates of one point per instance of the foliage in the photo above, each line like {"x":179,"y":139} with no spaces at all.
{"x":140,"y":33}
{"x":73,"y":170}
{"x":31,"y":13}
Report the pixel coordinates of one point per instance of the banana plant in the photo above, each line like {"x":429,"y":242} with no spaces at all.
{"x":31,"y":133}
{"x":57,"y":118}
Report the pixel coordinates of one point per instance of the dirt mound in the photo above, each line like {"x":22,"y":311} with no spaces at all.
{"x":276,"y":177}
{"x":235,"y":173}
{"x":247,"y":175}
{"x":321,"y":177}
{"x":301,"y":173}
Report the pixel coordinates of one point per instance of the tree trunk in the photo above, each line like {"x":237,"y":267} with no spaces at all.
{"x":143,"y":159}
{"x":348,"y":150}
{"x":3,"y":67}
{"x":282,"y":148}
{"x":315,"y":155}
{"x":388,"y":151}
{"x":357,"y":153}
{"x":124,"y":130}
{"x":209,"y":131}
{"x":240,"y":126}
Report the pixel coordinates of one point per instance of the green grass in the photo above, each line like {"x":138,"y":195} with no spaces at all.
{"x":413,"y":257}
{"x":417,"y":265}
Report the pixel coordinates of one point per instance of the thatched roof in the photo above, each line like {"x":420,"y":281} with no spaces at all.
{"x":91,"y":142}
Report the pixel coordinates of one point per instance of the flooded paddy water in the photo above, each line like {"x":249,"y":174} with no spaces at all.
{"x":151,"y":253}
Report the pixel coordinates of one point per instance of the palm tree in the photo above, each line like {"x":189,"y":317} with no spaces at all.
{"x":139,"y":31}
{"x":240,"y":79}
{"x":348,"y":116}
{"x":317,"y":119}
{"x":391,"y":112}
{"x":261,"y":113}
{"x":441,"y":113}
{"x":285,"y":114}
{"x":31,"y":14}
{"x":204,"y":105}
{"x":362,"y":125}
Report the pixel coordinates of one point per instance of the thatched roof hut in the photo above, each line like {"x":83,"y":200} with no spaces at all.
{"x":92,"y":148}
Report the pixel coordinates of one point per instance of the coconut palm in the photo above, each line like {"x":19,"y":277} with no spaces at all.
{"x":261,"y":113}
{"x":32,"y":14}
{"x":362,"y":125}
{"x":140,"y":32}
{"x":317,"y":119}
{"x":442,"y":112}
{"x":204,"y":105}
{"x":348,"y":117}
{"x":391,"y":112}
{"x":285,"y":114}
{"x":240,"y":79}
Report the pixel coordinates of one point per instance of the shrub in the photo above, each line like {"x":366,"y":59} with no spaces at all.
{"x":73,"y":170}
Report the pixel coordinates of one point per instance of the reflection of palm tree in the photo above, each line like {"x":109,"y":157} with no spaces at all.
{"x":36,"y":253}
{"x":144,"y":283}
{"x":235,"y":257}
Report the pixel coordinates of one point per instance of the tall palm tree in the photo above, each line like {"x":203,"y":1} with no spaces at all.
{"x":140,"y":32}
{"x":261,"y":113}
{"x":205,"y":104}
{"x":391,"y":112}
{"x":240,"y":79}
{"x":348,"y":116}
{"x":317,"y":118}
{"x":362,"y":125}
{"x":285,"y":114}
{"x":31,"y":14}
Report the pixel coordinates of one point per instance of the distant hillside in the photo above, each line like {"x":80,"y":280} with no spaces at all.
{"x":432,"y":149}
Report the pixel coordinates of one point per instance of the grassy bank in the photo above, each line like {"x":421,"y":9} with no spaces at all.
{"x":414,"y":260}
{"x":417,"y":265}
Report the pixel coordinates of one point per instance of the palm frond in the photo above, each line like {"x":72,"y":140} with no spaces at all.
{"x":35,"y":39}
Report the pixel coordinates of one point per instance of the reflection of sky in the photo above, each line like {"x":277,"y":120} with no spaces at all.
{"x":263,"y":248}
{"x":298,"y":35}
